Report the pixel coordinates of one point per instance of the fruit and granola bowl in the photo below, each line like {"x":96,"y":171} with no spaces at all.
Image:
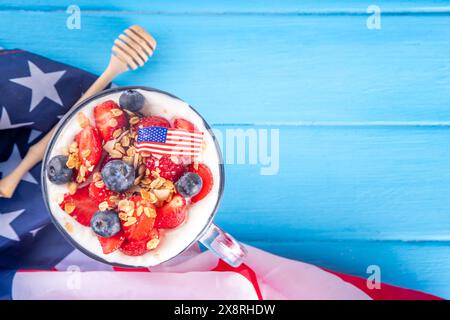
{"x":133,"y":176}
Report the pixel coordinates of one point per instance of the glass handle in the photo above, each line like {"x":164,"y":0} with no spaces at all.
{"x":224,"y":245}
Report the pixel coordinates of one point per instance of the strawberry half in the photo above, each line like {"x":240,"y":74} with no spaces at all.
{"x":145,"y":220}
{"x":100,"y":194}
{"x":181,"y":123}
{"x":138,"y":248}
{"x":89,"y":150}
{"x":153,"y":121}
{"x":207,"y":179}
{"x":80,"y":206}
{"x":172,"y":214}
{"x":170,"y":167}
{"x":108,"y":118}
{"x":111,"y":244}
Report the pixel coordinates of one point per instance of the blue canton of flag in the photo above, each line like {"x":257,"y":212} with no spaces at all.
{"x":35,"y":93}
{"x":152,"y":134}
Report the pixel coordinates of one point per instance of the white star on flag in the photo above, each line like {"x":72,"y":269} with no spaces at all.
{"x":42,"y":85}
{"x":5,"y":121}
{"x":35,"y":231}
{"x":6,"y":230}
{"x":9,"y":165}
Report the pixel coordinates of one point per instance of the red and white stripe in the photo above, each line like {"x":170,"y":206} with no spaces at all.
{"x":201,"y":276}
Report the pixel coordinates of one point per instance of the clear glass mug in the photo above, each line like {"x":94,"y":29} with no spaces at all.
{"x":211,"y":236}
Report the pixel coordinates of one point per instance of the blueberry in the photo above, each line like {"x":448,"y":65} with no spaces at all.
{"x":57,"y":171}
{"x":105,"y":223}
{"x":189,"y":184}
{"x":131,"y":100}
{"x":118,"y":175}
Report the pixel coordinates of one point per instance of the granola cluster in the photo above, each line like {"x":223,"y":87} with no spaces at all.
{"x":149,"y":184}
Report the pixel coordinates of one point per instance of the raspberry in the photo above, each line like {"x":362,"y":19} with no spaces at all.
{"x":170,"y":167}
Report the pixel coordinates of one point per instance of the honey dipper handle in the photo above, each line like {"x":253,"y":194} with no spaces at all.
{"x":36,"y":152}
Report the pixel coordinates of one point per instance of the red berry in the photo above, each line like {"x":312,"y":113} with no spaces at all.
{"x":170,"y":167}
{"x":138,"y":248}
{"x":207,"y":179}
{"x":134,"y":248}
{"x":108,"y":118}
{"x":153,"y":121}
{"x":99,"y":194}
{"x":145,"y":219}
{"x":181,"y":123}
{"x":172,"y":214}
{"x":89,"y":150}
{"x":85,"y":206}
{"x":111,"y":244}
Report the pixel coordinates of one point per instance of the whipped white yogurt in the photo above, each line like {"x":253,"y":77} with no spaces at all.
{"x":173,"y":241}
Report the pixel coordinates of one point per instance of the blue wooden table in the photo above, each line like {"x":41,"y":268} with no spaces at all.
{"x":363,"y":115}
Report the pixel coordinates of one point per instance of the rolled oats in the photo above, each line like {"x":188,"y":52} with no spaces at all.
{"x":69,"y":227}
{"x":103,"y":206}
{"x":125,"y":141}
{"x":134,"y":120}
{"x":69,"y":207}
{"x":83,"y":121}
{"x":119,"y":148}
{"x":117,"y":133}
{"x":130,"y":221}
{"x":152,"y":244}
{"x":112,"y":122}
{"x":115,"y":154}
{"x":85,"y":153}
{"x":97,"y":176}
{"x":72,"y":187}
{"x":116,"y":112}
{"x":149,"y":212}
{"x":145,"y":194}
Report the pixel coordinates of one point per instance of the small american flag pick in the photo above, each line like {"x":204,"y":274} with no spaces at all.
{"x":165,"y":141}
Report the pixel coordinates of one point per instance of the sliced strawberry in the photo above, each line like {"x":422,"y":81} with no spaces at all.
{"x":145,"y":219}
{"x":99,"y":194}
{"x":134,"y":248}
{"x":111,"y":244}
{"x":170,"y":167}
{"x":108,"y":118}
{"x":137,"y":248}
{"x":181,"y":123}
{"x":85,"y":206}
{"x":89,"y":150}
{"x":153,"y":121}
{"x":207,"y":179}
{"x":172,"y":214}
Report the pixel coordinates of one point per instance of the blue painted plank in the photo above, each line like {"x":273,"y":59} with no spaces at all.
{"x":420,"y":266}
{"x":301,"y":68}
{"x":379,"y":183}
{"x":233,"y":6}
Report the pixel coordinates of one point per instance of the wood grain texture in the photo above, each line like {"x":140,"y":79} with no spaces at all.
{"x":363,"y":116}
{"x":306,"y":65}
{"x":345,"y":183}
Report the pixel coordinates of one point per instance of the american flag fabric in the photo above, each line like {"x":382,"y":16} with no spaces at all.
{"x":36,"y":262}
{"x":166,"y":141}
